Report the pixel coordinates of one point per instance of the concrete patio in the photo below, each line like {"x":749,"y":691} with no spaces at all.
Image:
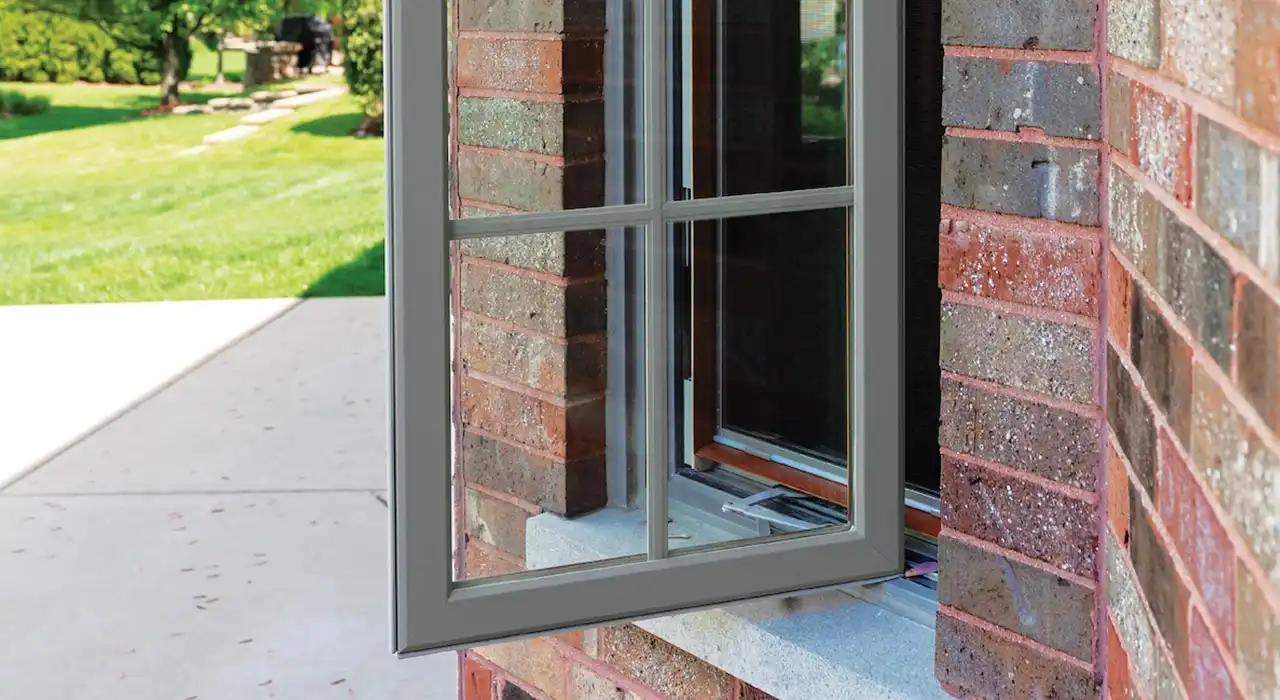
{"x":191,"y":504}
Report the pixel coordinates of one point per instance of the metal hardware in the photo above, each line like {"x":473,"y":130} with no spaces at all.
{"x":751,"y":507}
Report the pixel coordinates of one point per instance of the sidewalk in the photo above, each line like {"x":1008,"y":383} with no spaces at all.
{"x":224,"y":539}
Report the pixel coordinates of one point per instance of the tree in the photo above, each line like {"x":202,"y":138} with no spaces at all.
{"x":167,"y":25}
{"x":362,"y":49}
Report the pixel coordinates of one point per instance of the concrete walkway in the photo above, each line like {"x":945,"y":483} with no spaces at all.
{"x":222,"y":539}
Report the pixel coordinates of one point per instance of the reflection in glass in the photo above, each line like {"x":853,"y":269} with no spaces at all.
{"x":761,"y":97}
{"x":763,"y":304}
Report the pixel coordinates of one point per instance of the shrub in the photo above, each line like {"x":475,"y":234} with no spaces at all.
{"x":16,"y":104}
{"x":42,"y":47}
{"x":362,"y":62}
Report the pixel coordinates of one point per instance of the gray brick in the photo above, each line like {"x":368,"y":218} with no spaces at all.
{"x":1130,"y":417}
{"x":1238,"y":192}
{"x":1020,"y":178}
{"x":1045,"y":441}
{"x":1133,"y":214}
{"x":1119,"y":101}
{"x":1130,"y":615}
{"x":571,"y":254}
{"x":531,"y":15}
{"x":529,"y":185}
{"x":1044,"y":24}
{"x":558,"y":310}
{"x":1197,"y":283}
{"x":1200,"y":46}
{"x":1061,"y":98}
{"x":1030,"y":601}
{"x":1133,"y":31}
{"x":569,"y":129}
{"x":1239,"y":469}
{"x":1027,"y":353}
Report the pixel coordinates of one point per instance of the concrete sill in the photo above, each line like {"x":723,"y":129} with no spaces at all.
{"x":828,"y":645}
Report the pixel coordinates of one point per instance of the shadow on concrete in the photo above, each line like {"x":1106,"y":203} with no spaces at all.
{"x":363,"y":276}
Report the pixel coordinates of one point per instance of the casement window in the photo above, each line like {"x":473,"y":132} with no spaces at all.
{"x":755,"y":318}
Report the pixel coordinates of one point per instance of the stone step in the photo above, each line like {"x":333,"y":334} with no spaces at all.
{"x":309,"y":98}
{"x":266,"y":115}
{"x":235,"y":132}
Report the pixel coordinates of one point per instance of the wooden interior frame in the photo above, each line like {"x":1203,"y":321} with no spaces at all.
{"x":704,"y":271}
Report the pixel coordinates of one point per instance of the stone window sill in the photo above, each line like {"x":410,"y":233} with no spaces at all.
{"x":833,"y":644}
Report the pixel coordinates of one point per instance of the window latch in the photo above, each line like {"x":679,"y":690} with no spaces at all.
{"x":753,"y":507}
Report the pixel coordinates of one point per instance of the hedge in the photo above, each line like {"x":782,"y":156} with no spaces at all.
{"x":40,"y":47}
{"x":362,"y":57}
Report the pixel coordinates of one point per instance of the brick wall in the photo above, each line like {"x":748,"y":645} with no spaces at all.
{"x":1192,"y":545}
{"x":1021,"y":258}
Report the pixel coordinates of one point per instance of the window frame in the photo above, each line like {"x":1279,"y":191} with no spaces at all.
{"x":431,"y":612}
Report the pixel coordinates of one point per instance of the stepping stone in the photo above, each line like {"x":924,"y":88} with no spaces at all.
{"x":231,"y":103}
{"x":266,"y":115}
{"x":309,"y":98}
{"x":302,"y":88}
{"x":235,"y":132}
{"x":193,"y":109}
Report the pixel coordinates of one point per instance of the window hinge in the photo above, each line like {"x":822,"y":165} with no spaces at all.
{"x":752,"y":507}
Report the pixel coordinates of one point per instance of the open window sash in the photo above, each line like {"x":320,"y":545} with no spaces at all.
{"x":431,"y":611}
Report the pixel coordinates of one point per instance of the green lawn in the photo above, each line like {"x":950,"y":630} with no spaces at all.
{"x":204,"y":64}
{"x":100,"y":208}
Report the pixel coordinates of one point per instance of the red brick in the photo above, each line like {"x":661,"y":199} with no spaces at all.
{"x":1119,"y":684}
{"x":568,"y":432}
{"x":1117,"y":495}
{"x":1208,"y":677}
{"x":1258,"y":62}
{"x":1019,"y":515}
{"x":557,"y":66}
{"x":1118,"y":298}
{"x":1166,"y":593}
{"x":661,"y":666}
{"x":1047,"y":271}
{"x":1033,"y":602}
{"x":1162,"y":140}
{"x":980,"y":664}
{"x":477,"y":681}
{"x":483,"y":562}
{"x":563,"y":487}
{"x":1200,"y":539}
{"x":535,"y":662}
{"x":1258,"y":352}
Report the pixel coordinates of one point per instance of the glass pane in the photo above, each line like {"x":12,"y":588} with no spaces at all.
{"x":542,"y":378}
{"x":545,"y":122}
{"x":758,"y":96}
{"x":764,"y":307}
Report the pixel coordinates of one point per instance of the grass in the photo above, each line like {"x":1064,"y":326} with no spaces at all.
{"x":102,"y":210}
{"x":204,"y":64}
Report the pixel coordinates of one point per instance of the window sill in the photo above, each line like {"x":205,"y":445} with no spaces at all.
{"x":827,"y":645}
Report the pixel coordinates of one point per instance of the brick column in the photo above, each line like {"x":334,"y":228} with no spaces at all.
{"x":1020,"y":269}
{"x":528,"y":117}
{"x":1193,"y":477}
